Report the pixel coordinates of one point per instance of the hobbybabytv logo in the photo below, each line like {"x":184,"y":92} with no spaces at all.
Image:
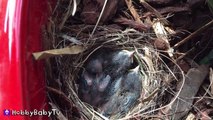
{"x":8,"y":112}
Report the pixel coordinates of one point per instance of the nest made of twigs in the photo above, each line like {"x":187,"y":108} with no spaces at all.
{"x":153,"y":69}
{"x":63,"y":71}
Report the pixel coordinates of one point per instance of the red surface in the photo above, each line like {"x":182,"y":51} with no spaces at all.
{"x":21,"y":78}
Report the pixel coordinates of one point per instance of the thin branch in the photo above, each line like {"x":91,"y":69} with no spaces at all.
{"x":151,"y":9}
{"x":194,"y":34}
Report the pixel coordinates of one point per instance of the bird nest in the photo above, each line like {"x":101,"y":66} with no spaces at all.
{"x":62,"y":71}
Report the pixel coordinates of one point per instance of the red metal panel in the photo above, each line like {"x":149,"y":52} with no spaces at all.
{"x":22,"y":85}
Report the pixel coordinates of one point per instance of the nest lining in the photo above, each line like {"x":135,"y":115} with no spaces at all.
{"x":154,"y":71}
{"x":63,"y":71}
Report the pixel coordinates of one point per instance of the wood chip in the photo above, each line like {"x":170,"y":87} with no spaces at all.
{"x":191,"y":116}
{"x":193,"y":81}
{"x":133,"y":11}
{"x":161,"y":34}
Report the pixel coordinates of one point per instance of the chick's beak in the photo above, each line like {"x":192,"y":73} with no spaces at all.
{"x":136,"y":69}
{"x":131,"y":55}
{"x":88,"y":78}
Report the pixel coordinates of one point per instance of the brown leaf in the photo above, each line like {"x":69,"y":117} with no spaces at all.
{"x":56,"y":52}
{"x":154,"y":11}
{"x":92,"y":10}
{"x":133,"y":24}
{"x":133,"y":11}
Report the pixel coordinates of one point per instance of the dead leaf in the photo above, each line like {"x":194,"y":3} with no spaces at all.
{"x":92,"y":10}
{"x":154,"y":11}
{"x":56,"y":52}
{"x":162,"y":34}
{"x":133,"y":11}
{"x":133,"y":24}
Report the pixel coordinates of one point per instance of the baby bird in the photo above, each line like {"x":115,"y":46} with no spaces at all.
{"x":97,"y":81}
{"x":98,"y":90}
{"x":113,"y":87}
{"x":120,"y":61}
{"x":94,"y":93}
{"x":125,"y":97}
{"x":103,"y":83}
{"x":93,"y":82}
{"x":94,"y":66}
{"x":132,"y":82}
{"x":92,"y":72}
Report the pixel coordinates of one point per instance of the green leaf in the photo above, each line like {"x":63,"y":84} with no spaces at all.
{"x":210,"y":4}
{"x":208,"y":59}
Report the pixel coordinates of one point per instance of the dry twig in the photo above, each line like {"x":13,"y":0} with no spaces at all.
{"x":194,"y":34}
